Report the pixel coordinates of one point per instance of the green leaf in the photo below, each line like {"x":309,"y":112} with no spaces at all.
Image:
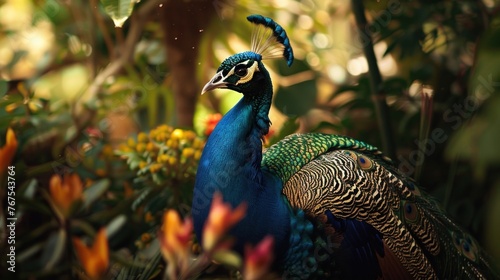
{"x":145,"y":266}
{"x":82,"y":225}
{"x":395,"y":85}
{"x":296,"y":100}
{"x":29,"y":189}
{"x":152,"y":269}
{"x":361,"y":88}
{"x":344,"y":88}
{"x":95,"y":191}
{"x":70,"y":133}
{"x":4,"y":86}
{"x":133,"y":159}
{"x":298,"y":67}
{"x":228,"y":258}
{"x":53,"y":249}
{"x":57,"y":212}
{"x":15,"y":58}
{"x":326,"y":125}
{"x":115,"y":225}
{"x":30,"y":251}
{"x":118,"y":10}
{"x":140,"y":198}
{"x":477,"y":139}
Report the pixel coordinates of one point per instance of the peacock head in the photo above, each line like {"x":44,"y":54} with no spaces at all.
{"x":243,"y":72}
{"x":240,"y":72}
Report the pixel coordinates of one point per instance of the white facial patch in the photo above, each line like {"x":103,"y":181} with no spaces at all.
{"x":250,"y":71}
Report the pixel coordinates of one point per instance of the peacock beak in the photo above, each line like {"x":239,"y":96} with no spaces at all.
{"x":216,"y":82}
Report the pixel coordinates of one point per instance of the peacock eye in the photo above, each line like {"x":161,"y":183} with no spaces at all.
{"x":241,"y":70}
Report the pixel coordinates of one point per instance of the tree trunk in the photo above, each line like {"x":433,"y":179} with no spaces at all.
{"x":182,"y":21}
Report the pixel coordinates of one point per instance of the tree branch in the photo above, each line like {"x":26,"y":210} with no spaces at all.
{"x":102,"y":26}
{"x":124,"y":55}
{"x":378,"y":93}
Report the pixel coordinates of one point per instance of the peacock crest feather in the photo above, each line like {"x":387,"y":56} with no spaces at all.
{"x":335,"y":206}
{"x":269,"y":39}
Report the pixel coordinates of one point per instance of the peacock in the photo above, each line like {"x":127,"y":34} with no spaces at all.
{"x":336,"y":207}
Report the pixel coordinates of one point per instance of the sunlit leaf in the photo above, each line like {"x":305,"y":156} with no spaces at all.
{"x":30,"y":188}
{"x":115,"y":225}
{"x":118,"y":10}
{"x":227,"y":257}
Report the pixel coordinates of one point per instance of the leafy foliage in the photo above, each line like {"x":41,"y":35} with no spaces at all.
{"x":74,"y":89}
{"x":119,"y":11}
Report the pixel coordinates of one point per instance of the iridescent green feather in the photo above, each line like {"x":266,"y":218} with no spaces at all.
{"x":288,"y":156}
{"x":426,"y":243}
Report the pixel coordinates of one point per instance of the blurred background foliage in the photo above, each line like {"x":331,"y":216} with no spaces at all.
{"x":109,"y":90}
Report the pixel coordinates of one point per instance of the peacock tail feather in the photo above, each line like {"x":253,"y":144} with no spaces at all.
{"x":335,"y":179}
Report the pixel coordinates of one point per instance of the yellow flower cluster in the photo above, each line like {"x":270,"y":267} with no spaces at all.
{"x":164,"y":152}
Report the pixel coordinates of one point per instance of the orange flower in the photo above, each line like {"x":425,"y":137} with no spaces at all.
{"x":8,"y":151}
{"x":258,"y":259}
{"x":211,"y":122}
{"x":148,"y":217}
{"x":95,"y":259}
{"x":66,"y":191}
{"x":175,"y":237}
{"x":220,"y":219}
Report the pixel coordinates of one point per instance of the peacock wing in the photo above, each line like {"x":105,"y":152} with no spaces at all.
{"x":383,"y":220}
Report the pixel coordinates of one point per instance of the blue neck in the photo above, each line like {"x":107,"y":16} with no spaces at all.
{"x":230,"y":164}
